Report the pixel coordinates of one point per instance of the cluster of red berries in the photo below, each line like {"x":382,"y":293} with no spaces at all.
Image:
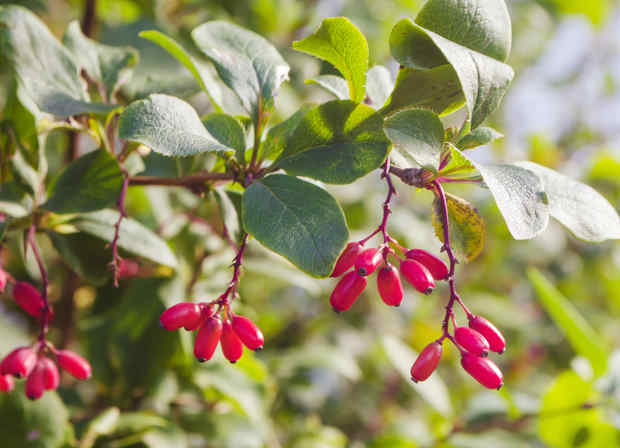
{"x":39,"y":370}
{"x":420,"y":268}
{"x":474,"y":343}
{"x":232,"y":331}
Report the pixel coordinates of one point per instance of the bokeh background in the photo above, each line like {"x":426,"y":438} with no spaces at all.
{"x":326,"y":380}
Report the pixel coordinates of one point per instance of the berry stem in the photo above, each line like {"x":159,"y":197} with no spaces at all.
{"x":231,"y":291}
{"x":46,"y":306}
{"x":116,"y":258}
{"x":454,"y":297}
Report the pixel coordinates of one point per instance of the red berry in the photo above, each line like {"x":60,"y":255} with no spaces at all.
{"x":4,"y":278}
{"x":232,"y":347}
{"x":248,"y":332}
{"x":472,"y":341}
{"x":483,"y":370}
{"x":128,"y":268}
{"x":416,"y":274}
{"x":368,"y":261}
{"x":6,"y":383}
{"x":19,"y":362}
{"x":347,"y":259}
{"x":51,"y":377}
{"x":347,"y":291}
{"x":438,"y":269}
{"x":207,"y":338}
{"x":35,"y":383}
{"x":426,"y":362}
{"x":184,"y":314}
{"x":389,"y":285}
{"x":496,"y":340}
{"x":29,"y":298}
{"x":73,"y":363}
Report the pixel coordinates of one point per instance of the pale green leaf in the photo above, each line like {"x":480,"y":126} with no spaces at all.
{"x":585,"y":212}
{"x":379,"y":85}
{"x":334,"y":84}
{"x":417,"y":134}
{"x":245,"y":61}
{"x":343,"y":45}
{"x":169,"y":126}
{"x":480,"y":136}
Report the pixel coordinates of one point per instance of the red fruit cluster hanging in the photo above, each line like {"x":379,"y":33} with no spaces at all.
{"x":421,"y":269}
{"x":215,"y":321}
{"x":39,"y":370}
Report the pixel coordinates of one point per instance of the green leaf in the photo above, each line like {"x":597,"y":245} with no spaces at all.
{"x":229,"y":203}
{"x":43,"y":423}
{"x":481,"y":25}
{"x":433,"y":390}
{"x":467,"y":231}
{"x":43,"y":66}
{"x":471,"y":35}
{"x":337,"y":142}
{"x":579,"y":333}
{"x":334,"y":84}
{"x":246,"y":62}
{"x":85,"y":254}
{"x":169,"y":126}
{"x":458,"y":166}
{"x":90,"y":183}
{"x":379,"y":85}
{"x":134,"y":237}
{"x":201,"y":72}
{"x":417,"y":135}
{"x":103,"y":63}
{"x":278,"y":136}
{"x":520,"y":197}
{"x":228,"y":131}
{"x":297,"y":220}
{"x":566,"y":420}
{"x":585,"y":212}
{"x":437,"y":89}
{"x":480,"y":136}
{"x":340,"y":43}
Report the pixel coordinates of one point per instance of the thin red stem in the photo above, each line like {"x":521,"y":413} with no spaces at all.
{"x":231,"y":291}
{"x":45,"y":312}
{"x":454,"y":297}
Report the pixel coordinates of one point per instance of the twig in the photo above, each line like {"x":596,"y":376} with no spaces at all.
{"x":193,"y":182}
{"x":231,"y":291}
{"x":116,"y":258}
{"x":45,"y":312}
{"x":89,"y":18}
{"x":454,"y":297}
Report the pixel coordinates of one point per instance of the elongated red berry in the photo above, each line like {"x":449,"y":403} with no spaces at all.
{"x":4,"y":278}
{"x":483,"y":370}
{"x":347,"y":291}
{"x":29,"y":298}
{"x":74,"y":364}
{"x":434,"y":264}
{"x":417,"y":274}
{"x":232,"y":347}
{"x":248,"y":332}
{"x":6,"y":383}
{"x":128,"y":268}
{"x":472,"y":341}
{"x":35,"y":383}
{"x":497,"y":343}
{"x":51,"y":377}
{"x":19,"y":362}
{"x":389,"y":285}
{"x":426,"y":362}
{"x":347,"y":259}
{"x":368,"y":261}
{"x":207,"y":338}
{"x":184,"y":314}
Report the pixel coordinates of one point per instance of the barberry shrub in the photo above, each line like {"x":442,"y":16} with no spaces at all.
{"x":253,"y":181}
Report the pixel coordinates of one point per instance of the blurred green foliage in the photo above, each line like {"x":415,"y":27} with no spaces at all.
{"x":326,"y":380}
